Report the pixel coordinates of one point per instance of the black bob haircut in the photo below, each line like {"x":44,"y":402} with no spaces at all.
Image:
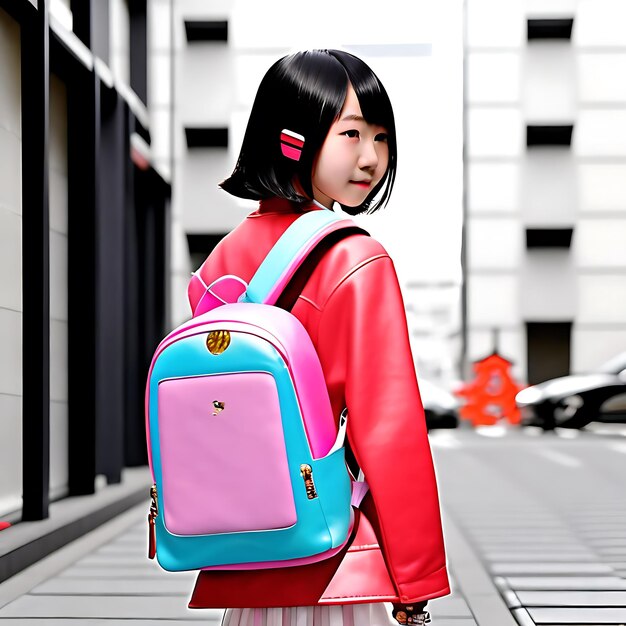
{"x":305,"y":92}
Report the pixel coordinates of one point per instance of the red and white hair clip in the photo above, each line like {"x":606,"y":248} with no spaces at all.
{"x":291,"y":144}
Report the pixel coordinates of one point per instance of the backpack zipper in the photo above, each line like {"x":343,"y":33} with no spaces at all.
{"x":307,"y":475}
{"x":154,"y":511}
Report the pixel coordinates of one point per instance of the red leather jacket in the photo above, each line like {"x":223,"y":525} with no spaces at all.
{"x":353,"y":310}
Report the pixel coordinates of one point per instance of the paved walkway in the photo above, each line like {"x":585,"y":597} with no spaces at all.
{"x":105,"y":578}
{"x":535,"y":532}
{"x":546,"y":515}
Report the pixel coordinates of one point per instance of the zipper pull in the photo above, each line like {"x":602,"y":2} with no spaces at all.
{"x":151,"y":537}
{"x":154,"y":511}
{"x":307,"y":475}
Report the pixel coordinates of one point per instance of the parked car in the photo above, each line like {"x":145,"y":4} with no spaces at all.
{"x":575,"y":401}
{"x":440,"y":406}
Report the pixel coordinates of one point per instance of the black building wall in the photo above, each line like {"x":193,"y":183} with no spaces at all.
{"x":117,"y":209}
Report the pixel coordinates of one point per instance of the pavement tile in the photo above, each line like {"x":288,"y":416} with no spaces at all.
{"x":604,"y":541}
{"x":456,"y":621}
{"x":564,"y":569}
{"x":523,"y":526}
{"x":573,"y":598}
{"x":562,"y":616}
{"x":114,"y":587}
{"x":91,"y":607}
{"x":536,"y":555}
{"x":533,"y":541}
{"x":616,"y":561}
{"x":613,"y":551}
{"x":599,"y":510}
{"x":139,"y":552}
{"x":601,"y":533}
{"x":505,"y":533}
{"x":554,"y":549}
{"x":213,"y":621}
{"x":493,"y":519}
{"x":115,"y":560}
{"x":79,"y":571}
{"x":448,"y":607}
{"x":601,"y":526}
{"x":522,"y":617}
{"x":564,"y":583}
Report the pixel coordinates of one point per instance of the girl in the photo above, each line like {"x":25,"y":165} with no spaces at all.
{"x":339,"y":147}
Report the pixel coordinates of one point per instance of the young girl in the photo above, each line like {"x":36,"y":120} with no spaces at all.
{"x":352,"y":308}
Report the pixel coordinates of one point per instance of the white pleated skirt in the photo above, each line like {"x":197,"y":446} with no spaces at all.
{"x":378,"y":614}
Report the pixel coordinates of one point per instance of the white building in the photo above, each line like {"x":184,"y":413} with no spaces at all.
{"x":546,"y":183}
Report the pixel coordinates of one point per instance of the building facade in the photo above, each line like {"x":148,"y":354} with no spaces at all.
{"x":83,"y":231}
{"x":545,"y":260}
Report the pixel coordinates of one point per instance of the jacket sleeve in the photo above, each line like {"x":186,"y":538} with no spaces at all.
{"x":363,"y":333}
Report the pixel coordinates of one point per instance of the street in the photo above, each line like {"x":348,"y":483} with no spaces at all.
{"x":535,"y":532}
{"x":546,"y":514}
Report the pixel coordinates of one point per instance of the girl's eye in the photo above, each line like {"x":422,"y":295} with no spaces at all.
{"x":352,"y":133}
{"x":381,"y":137}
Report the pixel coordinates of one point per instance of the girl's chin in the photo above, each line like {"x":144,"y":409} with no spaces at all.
{"x":352,"y":202}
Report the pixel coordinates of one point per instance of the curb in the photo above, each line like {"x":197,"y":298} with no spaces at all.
{"x":475,"y":583}
{"x":26,"y":543}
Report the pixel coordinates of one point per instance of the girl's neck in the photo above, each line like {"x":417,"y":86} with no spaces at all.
{"x":320,"y":205}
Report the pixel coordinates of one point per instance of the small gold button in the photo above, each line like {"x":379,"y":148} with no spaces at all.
{"x":217,"y":341}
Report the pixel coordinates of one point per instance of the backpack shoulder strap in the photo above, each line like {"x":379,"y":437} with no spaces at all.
{"x":290,"y":251}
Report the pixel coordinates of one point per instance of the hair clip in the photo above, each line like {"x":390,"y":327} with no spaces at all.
{"x":291,"y":144}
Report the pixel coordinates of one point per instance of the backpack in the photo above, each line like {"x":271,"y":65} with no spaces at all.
{"x":248,"y":468}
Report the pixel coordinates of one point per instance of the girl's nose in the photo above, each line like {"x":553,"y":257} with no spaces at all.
{"x":368,"y":158}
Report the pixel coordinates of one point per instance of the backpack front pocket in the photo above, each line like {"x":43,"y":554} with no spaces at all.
{"x":223,"y":457}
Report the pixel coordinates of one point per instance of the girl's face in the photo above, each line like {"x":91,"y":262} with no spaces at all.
{"x":352,"y":160}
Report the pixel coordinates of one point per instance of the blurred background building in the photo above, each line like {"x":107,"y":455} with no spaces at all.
{"x":83,"y":254}
{"x":546,"y":183}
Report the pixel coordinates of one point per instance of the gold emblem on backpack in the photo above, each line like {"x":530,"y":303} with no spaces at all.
{"x":217,"y":341}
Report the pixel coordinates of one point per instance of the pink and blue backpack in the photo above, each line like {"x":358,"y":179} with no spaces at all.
{"x":247,"y":461}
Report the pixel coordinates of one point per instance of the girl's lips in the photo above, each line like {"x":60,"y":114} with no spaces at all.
{"x":360,"y":183}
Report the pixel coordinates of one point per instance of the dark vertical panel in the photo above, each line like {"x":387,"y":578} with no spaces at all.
{"x":548,"y":350}
{"x":83,"y":141}
{"x":148,"y":197}
{"x":147,"y":269}
{"x":19,"y":10}
{"x":135,"y":377}
{"x":151,"y":199}
{"x":81,"y":20}
{"x":138,"y":48}
{"x":160,"y":201}
{"x":35,"y":264}
{"x":110,"y":286}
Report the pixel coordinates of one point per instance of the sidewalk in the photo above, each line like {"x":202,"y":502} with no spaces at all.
{"x":105,"y":578}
